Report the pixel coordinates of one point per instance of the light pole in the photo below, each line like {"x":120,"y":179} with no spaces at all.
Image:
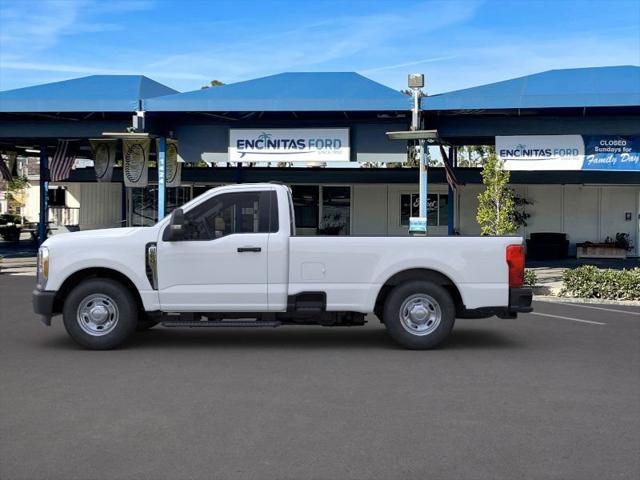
{"x":416,"y":83}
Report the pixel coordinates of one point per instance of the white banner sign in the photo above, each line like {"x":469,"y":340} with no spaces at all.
{"x":104,"y":157}
{"x":174,"y":166}
{"x":541,"y":152}
{"x":289,"y":145}
{"x":136,"y":162}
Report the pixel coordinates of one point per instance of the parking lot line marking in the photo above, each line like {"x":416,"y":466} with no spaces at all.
{"x":595,"y":308}
{"x":568,"y":318}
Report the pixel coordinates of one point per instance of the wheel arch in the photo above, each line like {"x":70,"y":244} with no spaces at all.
{"x":422,"y":274}
{"x":79,"y":276}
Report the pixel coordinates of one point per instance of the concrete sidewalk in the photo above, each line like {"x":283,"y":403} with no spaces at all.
{"x":18,"y":266}
{"x":549,"y":280}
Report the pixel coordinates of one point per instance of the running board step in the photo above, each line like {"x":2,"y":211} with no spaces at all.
{"x":219,"y":324}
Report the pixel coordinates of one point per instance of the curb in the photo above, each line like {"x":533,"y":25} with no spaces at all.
{"x":545,"y":290}
{"x":597,"y":301}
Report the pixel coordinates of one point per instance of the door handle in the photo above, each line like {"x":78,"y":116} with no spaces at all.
{"x":249,"y":249}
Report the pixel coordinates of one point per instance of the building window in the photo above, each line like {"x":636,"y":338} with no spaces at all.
{"x":57,"y":197}
{"x":144,"y":206}
{"x":437,"y":209}
{"x":322,"y":210}
{"x":306,"y":200}
{"x":143,"y":203}
{"x":176,"y":197}
{"x":336,"y":211}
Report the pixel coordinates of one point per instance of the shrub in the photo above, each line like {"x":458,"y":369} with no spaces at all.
{"x":592,"y":282}
{"x":530,"y":277}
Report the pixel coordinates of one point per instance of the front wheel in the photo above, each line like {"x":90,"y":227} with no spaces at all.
{"x":100,"y":314}
{"x":419,"y":315}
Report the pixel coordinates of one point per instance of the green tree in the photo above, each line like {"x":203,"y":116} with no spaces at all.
{"x":496,"y":206}
{"x":412,"y":160}
{"x":213,"y":83}
{"x":16,"y":191}
{"x":474,"y":155}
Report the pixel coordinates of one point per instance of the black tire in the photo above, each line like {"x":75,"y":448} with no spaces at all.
{"x":145,"y":323}
{"x":435,"y":332}
{"x":115,"y":294}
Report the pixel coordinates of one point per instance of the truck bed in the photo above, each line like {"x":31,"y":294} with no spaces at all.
{"x":351,"y":270}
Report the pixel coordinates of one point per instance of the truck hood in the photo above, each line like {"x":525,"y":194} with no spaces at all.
{"x":99,"y":235}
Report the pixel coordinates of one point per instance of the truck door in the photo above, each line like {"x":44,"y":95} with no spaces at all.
{"x":221,"y":264}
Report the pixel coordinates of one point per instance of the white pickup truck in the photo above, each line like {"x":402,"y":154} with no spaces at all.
{"x":230,"y":258}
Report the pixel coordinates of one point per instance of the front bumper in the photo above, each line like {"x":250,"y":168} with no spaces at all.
{"x":43,"y":301}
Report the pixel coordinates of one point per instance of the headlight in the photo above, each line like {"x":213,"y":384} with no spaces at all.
{"x":43,"y":266}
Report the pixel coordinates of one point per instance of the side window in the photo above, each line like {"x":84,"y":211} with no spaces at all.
{"x":229,"y":213}
{"x":274,"y":220}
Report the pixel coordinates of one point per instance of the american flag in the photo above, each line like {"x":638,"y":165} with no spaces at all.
{"x":5,"y":172}
{"x":62,"y":161}
{"x":448,"y":169}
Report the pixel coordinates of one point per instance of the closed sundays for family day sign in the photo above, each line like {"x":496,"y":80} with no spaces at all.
{"x":289,"y":145}
{"x":569,"y":152}
{"x":611,"y":153}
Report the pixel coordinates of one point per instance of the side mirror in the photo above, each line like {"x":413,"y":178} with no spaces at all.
{"x":175,"y":231}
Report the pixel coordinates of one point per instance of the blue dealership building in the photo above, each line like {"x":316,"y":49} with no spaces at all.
{"x":324,"y":134}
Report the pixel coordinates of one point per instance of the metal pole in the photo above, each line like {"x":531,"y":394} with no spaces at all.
{"x":421,"y":153}
{"x":44,"y":195}
{"x":450,"y":197}
{"x":422,"y":156}
{"x":162,"y":154}
{"x":415,"y":92}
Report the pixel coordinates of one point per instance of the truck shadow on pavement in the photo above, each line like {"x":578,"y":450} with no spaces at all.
{"x":294,"y":338}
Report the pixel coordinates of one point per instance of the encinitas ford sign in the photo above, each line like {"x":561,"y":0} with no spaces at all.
{"x":289,"y":145}
{"x":569,"y":152}
{"x":541,"y":152}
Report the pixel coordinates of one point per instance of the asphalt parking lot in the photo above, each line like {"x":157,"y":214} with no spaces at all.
{"x":555,"y":395}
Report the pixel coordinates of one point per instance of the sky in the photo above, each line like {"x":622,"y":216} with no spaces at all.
{"x":185,"y":44}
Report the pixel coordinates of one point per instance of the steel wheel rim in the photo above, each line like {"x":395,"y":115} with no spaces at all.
{"x":420,"y":314}
{"x":97,"y":314}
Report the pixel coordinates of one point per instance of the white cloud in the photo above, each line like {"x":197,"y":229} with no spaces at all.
{"x":348,"y":42}
{"x":30,"y":27}
{"x":409,"y":64}
{"x":344,"y":40}
{"x":499,"y":58}
{"x":436,"y":37}
{"x":90,"y":70}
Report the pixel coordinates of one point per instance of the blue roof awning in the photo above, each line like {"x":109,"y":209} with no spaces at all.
{"x":96,"y":93}
{"x":577,"y":87}
{"x":288,"y":92}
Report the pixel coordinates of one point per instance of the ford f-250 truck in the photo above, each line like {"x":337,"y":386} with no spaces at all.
{"x":230,"y":258}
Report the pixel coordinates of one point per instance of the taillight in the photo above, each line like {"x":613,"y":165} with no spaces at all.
{"x":515,"y":260}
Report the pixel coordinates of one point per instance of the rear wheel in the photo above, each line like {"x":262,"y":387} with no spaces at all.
{"x":419,"y":315}
{"x":100,"y":314}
